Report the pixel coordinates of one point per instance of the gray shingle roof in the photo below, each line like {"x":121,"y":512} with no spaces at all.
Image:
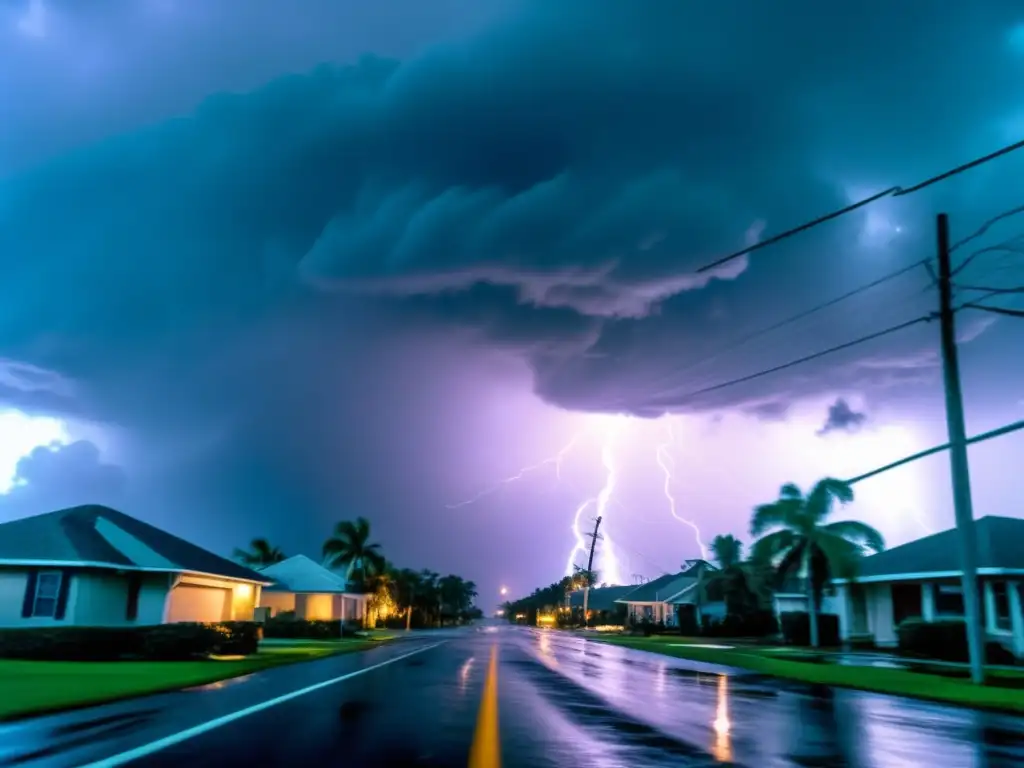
{"x":1000,"y":545}
{"x":669,"y":585}
{"x":103,"y":536}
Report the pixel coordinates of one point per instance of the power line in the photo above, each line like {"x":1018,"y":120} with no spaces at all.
{"x":891,"y":192}
{"x":996,"y":310}
{"x":939,"y":448}
{"x":747,"y":338}
{"x":808,"y":358}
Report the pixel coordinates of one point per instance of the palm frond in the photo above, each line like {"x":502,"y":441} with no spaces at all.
{"x":823,"y":496}
{"x":779,"y":514}
{"x":790,"y":491}
{"x":858,"y":533}
{"x":770,"y":548}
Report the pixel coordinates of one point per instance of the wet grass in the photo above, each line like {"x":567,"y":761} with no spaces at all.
{"x":37,"y":687}
{"x":948,"y":685}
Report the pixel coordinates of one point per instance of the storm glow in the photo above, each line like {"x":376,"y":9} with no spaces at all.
{"x":20,"y":434}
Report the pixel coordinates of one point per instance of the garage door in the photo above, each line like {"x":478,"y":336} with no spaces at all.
{"x":192,"y":603}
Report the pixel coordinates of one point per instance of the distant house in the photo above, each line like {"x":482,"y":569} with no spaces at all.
{"x":95,"y":566}
{"x":667,"y":598}
{"x":305,"y":587}
{"x":921,"y":580}
{"x":601,"y":602}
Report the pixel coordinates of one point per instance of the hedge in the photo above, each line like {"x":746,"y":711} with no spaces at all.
{"x":752,"y":624}
{"x":163,"y":642}
{"x":944,"y":640}
{"x":796,"y":628}
{"x":307,"y":629}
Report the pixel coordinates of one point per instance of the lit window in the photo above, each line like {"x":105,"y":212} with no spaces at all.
{"x":47,"y":589}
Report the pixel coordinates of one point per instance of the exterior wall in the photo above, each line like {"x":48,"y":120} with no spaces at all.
{"x":102,"y":599}
{"x":319,"y":607}
{"x":316,"y":606}
{"x":13,"y":583}
{"x":278,"y":602}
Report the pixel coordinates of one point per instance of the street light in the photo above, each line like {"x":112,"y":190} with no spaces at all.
{"x":504,"y":591}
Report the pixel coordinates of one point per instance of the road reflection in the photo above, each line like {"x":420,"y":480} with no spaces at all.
{"x":722,"y":748}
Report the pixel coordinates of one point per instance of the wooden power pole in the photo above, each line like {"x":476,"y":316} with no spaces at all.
{"x":590,"y":570}
{"x":958,"y":464}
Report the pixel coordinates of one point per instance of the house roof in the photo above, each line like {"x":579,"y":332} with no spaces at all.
{"x":669,"y":586}
{"x":601,"y":598}
{"x":999,"y":546}
{"x":301,"y":574}
{"x":99,"y":536}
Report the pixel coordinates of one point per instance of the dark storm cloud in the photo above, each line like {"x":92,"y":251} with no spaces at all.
{"x":842,"y":418}
{"x":59,"y":476}
{"x":549,"y":185}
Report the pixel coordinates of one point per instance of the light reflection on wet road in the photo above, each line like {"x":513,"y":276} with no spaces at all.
{"x":747,"y":720}
{"x":563,"y":702}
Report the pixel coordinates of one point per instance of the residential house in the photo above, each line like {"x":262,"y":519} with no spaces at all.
{"x":95,"y":566}
{"x":601,"y":603}
{"x":311,"y":591}
{"x":922,"y":579}
{"x":669,"y":597}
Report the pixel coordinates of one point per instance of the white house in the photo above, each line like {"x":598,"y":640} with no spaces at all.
{"x":95,"y":566}
{"x":922,"y":580}
{"x":311,"y":591}
{"x":665,"y":598}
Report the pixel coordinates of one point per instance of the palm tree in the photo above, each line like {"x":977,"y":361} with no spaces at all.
{"x":407,"y":587}
{"x":349,"y":547}
{"x":259,"y":555}
{"x":731,"y":578}
{"x":801,"y":541}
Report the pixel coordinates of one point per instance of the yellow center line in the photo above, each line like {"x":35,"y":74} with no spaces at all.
{"x":486,"y":749}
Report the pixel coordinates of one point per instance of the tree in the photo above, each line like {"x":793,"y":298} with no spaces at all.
{"x":350,"y":548}
{"x":795,"y":538}
{"x":732,"y":579}
{"x":259,"y":555}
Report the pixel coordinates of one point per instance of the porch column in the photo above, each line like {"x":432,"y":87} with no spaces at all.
{"x":843,"y":599}
{"x":1016,"y":617}
{"x":990,"y":606}
{"x":928,"y":601}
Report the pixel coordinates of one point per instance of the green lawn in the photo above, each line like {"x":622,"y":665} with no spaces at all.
{"x":1005,"y":693}
{"x":34,"y":687}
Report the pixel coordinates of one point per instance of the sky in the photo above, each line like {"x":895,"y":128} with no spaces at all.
{"x":262,"y":271}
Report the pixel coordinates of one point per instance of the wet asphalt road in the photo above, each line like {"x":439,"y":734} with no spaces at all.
{"x":562,"y":701}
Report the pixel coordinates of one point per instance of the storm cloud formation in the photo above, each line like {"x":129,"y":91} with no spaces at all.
{"x":320,"y":278}
{"x":842,"y":418}
{"x":551,"y":184}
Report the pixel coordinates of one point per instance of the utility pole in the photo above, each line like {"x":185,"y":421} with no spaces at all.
{"x":590,"y":570}
{"x":959,"y":467}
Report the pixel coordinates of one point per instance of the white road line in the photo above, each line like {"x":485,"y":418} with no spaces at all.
{"x":197,"y":730}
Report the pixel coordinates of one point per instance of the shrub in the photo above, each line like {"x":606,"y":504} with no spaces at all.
{"x":309,"y":629}
{"x":752,"y":624}
{"x":69,"y":643}
{"x":796,"y":628}
{"x":163,"y":642}
{"x":944,"y":640}
{"x":181,"y":641}
{"x":238,"y":638}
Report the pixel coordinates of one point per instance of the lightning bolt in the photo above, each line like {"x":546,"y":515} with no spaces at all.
{"x":667,"y":464}
{"x":609,"y":567}
{"x":555,"y":461}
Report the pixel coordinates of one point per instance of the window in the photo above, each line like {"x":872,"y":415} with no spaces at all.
{"x":906,"y":602}
{"x":1001,"y":604}
{"x":47,"y":589}
{"x":949,"y":600}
